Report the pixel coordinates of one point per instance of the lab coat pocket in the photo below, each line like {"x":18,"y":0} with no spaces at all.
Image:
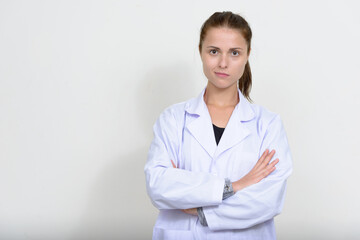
{"x":242,"y":164}
{"x":166,"y":234}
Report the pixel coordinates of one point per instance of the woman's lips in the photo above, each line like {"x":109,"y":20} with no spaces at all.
{"x":221,"y":74}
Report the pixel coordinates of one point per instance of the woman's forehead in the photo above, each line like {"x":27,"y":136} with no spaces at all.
{"x":224,"y":36}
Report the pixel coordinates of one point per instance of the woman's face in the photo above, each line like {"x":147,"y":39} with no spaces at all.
{"x":224,"y":55}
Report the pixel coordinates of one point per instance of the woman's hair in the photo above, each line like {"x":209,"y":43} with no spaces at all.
{"x":233,"y":21}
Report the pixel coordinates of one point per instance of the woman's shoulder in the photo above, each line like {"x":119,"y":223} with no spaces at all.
{"x":267,"y":121}
{"x":264,"y":116}
{"x":174,"y":111}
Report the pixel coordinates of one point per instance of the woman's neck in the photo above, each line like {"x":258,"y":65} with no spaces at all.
{"x":221,"y":97}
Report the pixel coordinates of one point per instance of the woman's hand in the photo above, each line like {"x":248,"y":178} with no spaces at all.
{"x":261,"y":170}
{"x":192,"y":211}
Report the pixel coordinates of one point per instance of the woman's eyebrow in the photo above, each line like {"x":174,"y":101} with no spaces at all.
{"x":213,"y":47}
{"x":229,"y":49}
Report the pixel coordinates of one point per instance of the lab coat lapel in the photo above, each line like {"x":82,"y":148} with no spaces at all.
{"x":199,"y":124}
{"x":235,"y":130}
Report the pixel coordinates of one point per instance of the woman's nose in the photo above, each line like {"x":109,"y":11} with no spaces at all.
{"x":223,"y":63}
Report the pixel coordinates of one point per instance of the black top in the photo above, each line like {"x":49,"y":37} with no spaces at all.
{"x":218,"y":133}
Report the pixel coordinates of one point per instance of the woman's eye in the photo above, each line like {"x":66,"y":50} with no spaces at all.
{"x":235,"y":53}
{"x":213,"y":51}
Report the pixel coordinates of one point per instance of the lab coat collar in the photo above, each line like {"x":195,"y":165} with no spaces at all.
{"x":198,"y":106}
{"x":201,"y":125}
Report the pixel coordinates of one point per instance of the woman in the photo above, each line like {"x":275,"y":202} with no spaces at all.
{"x":212,"y":169}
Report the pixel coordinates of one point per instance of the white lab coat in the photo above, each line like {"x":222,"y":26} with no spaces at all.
{"x":184,"y":133}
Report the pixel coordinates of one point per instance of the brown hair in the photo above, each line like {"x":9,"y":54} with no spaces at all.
{"x":233,"y":21}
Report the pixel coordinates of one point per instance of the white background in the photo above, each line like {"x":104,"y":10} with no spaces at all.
{"x":82,"y":83}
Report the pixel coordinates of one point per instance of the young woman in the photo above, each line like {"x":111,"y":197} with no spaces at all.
{"x":218,"y":165}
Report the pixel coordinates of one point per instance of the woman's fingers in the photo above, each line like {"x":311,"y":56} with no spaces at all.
{"x":271,"y":167}
{"x":273,"y":163}
{"x":268,"y":158}
{"x":265,"y":153}
{"x":192,"y":211}
{"x":173,"y":164}
{"x":264,"y":159}
{"x":261,"y":159}
{"x":264,"y":167}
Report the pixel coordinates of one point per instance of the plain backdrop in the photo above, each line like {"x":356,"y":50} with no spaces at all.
{"x":82,"y":83}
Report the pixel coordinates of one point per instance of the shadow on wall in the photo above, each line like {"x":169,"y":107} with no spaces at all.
{"x":118,"y":206}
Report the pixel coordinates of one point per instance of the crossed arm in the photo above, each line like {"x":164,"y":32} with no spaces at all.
{"x":258,"y":197}
{"x":262,"y":169}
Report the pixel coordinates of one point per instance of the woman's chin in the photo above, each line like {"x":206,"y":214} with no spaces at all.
{"x":222,"y":85}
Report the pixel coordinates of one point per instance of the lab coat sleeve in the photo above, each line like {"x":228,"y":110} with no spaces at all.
{"x":173,"y":188}
{"x":261,"y":201}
